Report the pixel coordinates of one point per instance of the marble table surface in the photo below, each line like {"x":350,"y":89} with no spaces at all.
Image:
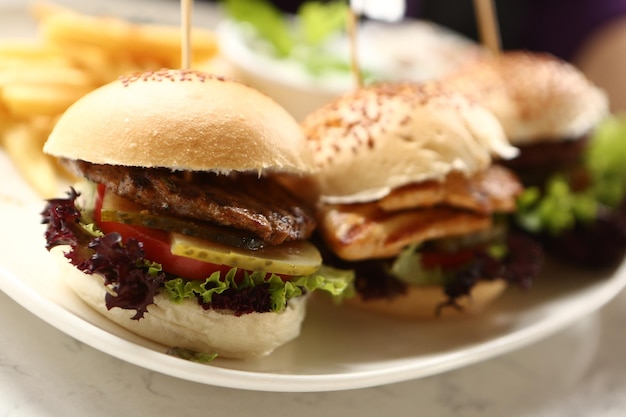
{"x":580,"y":371}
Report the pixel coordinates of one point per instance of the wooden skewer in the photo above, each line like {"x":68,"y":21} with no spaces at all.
{"x":354,"y":56}
{"x":186,"y":7}
{"x":488,"y":24}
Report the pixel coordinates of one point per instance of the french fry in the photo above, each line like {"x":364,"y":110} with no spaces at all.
{"x":23,"y":145}
{"x":42,"y":75}
{"x":109,"y":34}
{"x":27,"y":100}
{"x":6,"y":119}
{"x":92,"y":60}
{"x":75,"y":54}
{"x":24,"y":50}
{"x":158,"y":43}
{"x":10,"y":61}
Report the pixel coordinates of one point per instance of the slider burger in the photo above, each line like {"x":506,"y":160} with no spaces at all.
{"x":547,"y":107}
{"x":409,"y":200}
{"x":551,"y":112}
{"x":179,"y":231}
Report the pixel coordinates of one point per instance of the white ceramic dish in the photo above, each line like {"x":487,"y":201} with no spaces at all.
{"x":339,"y":348}
{"x":387,"y":51}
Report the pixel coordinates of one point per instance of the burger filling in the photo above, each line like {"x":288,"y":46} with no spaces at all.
{"x":514,"y":258}
{"x":445,"y":233}
{"x":224,"y":243}
{"x":578,"y":211}
{"x":541,"y":159}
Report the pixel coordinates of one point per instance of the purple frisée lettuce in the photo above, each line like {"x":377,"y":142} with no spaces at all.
{"x":133,"y":281}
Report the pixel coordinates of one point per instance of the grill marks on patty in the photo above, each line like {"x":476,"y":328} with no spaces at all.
{"x":243,"y":201}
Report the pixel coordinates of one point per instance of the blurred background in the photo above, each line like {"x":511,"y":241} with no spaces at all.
{"x":421,"y":39}
{"x":53,"y":52}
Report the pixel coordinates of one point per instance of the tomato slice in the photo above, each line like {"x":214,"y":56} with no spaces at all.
{"x":446,"y":260}
{"x":156,"y":246}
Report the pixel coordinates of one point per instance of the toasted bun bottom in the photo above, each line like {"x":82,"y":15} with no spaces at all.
{"x":422,"y":302}
{"x":188,"y":325}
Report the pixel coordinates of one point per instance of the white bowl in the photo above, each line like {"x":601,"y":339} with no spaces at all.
{"x":410,"y":50}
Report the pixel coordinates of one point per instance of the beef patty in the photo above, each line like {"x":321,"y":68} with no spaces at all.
{"x":243,"y":201}
{"x":539,"y":160}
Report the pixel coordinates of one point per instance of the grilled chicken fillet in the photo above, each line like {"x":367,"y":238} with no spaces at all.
{"x":418,"y":212}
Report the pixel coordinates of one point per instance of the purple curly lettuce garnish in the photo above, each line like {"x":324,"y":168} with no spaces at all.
{"x":62,"y":218}
{"x":124,"y":269}
{"x":598,"y":244}
{"x":521,"y":264}
{"x":241,"y":301}
{"x":523,"y":261}
{"x":131,"y":279}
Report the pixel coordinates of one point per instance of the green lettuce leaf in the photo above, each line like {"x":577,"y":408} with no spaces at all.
{"x":408,"y":268}
{"x":192,"y":355}
{"x":268,"y":22}
{"x":301,"y":39}
{"x":339,"y":283}
{"x":320,"y":20}
{"x":558,"y":207}
{"x":606,"y":161}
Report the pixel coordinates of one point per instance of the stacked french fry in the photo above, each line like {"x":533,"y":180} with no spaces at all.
{"x":73,"y":54}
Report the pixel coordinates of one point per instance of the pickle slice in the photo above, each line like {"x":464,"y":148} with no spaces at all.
{"x":121,"y":210}
{"x":290,"y":258}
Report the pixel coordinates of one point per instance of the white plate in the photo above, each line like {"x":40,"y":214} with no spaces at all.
{"x":338,"y":349}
